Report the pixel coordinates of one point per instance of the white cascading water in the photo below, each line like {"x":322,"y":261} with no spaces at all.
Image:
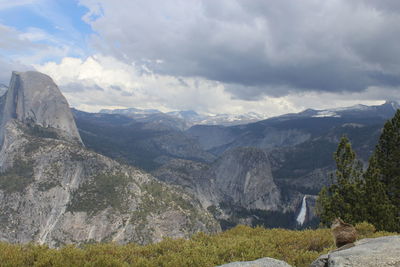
{"x":303,"y":211}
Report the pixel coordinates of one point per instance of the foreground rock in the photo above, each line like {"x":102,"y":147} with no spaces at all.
{"x":264,"y":262}
{"x":369,"y":252}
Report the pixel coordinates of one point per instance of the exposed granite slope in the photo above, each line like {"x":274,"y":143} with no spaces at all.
{"x":54,"y":191}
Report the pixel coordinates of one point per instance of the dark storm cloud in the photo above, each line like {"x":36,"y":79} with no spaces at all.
{"x":384,"y":5}
{"x":260,"y":47}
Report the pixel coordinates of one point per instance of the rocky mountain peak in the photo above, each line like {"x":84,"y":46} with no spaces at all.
{"x":34,"y":99}
{"x":392,"y":103}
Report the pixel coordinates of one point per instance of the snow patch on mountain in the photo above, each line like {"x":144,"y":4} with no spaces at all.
{"x":191,"y":117}
{"x":352,"y":108}
{"x":326,"y":113}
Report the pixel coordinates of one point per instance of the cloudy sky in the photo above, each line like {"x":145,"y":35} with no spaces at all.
{"x":226,"y":56}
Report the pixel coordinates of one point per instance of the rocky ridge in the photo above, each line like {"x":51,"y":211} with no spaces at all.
{"x":54,"y":191}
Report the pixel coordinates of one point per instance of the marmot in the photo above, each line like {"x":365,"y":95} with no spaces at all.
{"x":343,"y":233}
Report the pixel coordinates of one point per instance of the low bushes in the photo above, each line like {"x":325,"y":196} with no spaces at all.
{"x":242,"y":243}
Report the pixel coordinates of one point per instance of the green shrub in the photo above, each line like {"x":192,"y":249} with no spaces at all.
{"x":104,"y":190}
{"x":18,"y":177}
{"x":39,"y":131}
{"x":365,"y":229}
{"x":242,"y":243}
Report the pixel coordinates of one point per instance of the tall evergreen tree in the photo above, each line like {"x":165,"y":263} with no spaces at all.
{"x":344,"y":197}
{"x":379,"y":209}
{"x":382,"y":179}
{"x":324,"y":208}
{"x":387,"y":156}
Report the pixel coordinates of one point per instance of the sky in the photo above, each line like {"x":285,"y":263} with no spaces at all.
{"x":225,"y":56}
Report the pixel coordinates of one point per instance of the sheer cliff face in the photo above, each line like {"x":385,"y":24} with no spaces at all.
{"x":244,"y":177}
{"x":33,"y":98}
{"x":54,"y":191}
{"x":241,"y":177}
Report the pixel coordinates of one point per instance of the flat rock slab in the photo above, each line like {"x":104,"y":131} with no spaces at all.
{"x":263,"y":262}
{"x":369,"y":252}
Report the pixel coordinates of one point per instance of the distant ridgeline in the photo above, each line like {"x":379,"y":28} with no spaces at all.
{"x":260,"y":173}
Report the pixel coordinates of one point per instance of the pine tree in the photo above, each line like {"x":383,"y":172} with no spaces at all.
{"x":344,"y":197}
{"x":325,"y":210}
{"x":382,"y":179}
{"x":379,"y":209}
{"x":387,"y":156}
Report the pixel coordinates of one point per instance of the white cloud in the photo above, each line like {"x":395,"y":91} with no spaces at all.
{"x":14,"y":41}
{"x":105,"y":82}
{"x":126,"y":85}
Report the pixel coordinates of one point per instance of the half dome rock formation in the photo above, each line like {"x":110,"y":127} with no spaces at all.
{"x":54,"y":191}
{"x":34,"y":99}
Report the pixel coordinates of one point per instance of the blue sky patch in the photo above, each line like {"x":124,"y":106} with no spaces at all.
{"x":60,"y":20}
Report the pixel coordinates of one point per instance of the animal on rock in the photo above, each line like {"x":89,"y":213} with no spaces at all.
{"x":343,"y":233}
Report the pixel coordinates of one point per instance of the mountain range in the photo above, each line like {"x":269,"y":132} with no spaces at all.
{"x":296,"y":150}
{"x":186,"y":118}
{"x":68,"y":176}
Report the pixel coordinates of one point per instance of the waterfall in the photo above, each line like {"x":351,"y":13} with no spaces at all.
{"x":303,"y":211}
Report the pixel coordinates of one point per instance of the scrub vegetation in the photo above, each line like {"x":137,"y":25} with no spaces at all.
{"x":242,"y":243}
